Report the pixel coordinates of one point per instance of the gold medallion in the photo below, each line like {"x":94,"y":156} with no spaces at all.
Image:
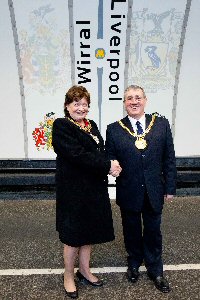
{"x":140,"y":143}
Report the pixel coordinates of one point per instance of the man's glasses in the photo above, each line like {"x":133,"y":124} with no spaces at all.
{"x":137,"y":98}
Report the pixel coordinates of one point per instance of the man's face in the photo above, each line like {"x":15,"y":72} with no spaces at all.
{"x":134,"y":103}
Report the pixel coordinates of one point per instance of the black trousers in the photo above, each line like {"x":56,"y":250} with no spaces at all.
{"x":143,"y":238}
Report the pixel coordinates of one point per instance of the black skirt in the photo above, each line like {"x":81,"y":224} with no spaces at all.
{"x":89,"y":222}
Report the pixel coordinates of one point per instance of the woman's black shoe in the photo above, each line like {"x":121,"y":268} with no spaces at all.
{"x":85,"y":281}
{"x":72,"y":295}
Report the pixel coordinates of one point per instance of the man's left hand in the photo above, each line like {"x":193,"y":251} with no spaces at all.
{"x":168,"y":197}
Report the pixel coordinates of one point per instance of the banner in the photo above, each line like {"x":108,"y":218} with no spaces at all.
{"x":155,"y":34}
{"x":44,"y":45}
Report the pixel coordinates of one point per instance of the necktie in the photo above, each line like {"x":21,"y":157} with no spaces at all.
{"x":139,"y":128}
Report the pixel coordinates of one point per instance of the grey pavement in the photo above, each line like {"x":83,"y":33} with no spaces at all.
{"x":28,"y":240}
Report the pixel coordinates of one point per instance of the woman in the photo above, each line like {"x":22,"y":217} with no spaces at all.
{"x":83,"y":211}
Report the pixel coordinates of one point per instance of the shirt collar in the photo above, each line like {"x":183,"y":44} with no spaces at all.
{"x":141,"y":120}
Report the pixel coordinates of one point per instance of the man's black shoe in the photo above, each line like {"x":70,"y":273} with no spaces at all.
{"x":133,"y":274}
{"x":160,"y":283}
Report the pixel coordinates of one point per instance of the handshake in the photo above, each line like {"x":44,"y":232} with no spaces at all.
{"x":115,"y":168}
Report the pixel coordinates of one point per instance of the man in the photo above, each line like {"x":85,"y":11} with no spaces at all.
{"x":143,"y":145}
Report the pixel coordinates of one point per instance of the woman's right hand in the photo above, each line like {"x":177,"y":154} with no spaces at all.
{"x":115,"y":168}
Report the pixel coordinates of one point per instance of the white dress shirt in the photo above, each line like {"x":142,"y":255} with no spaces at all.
{"x":142,"y":121}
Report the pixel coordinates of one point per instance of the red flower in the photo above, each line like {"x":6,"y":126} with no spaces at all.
{"x":86,"y":122}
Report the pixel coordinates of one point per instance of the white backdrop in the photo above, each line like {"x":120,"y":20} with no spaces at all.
{"x":104,"y":45}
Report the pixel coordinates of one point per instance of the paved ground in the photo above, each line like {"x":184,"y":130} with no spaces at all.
{"x":28,"y":241}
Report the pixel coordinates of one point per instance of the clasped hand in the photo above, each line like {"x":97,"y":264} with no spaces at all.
{"x":115,"y":168}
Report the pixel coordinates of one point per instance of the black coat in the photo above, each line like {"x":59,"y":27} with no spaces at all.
{"x":152,"y":169}
{"x":83,"y":211}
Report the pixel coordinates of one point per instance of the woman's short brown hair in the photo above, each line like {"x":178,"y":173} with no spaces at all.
{"x":76,"y":93}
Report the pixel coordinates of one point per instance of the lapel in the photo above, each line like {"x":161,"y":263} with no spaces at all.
{"x":148,"y":120}
{"x":127,"y":123}
{"x":84,"y":133}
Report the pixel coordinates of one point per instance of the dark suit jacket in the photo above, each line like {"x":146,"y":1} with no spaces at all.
{"x":152,"y":169}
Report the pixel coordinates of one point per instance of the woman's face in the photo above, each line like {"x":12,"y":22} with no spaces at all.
{"x":78,"y":109}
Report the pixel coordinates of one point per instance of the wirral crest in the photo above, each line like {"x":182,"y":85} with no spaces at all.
{"x":44,"y":54}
